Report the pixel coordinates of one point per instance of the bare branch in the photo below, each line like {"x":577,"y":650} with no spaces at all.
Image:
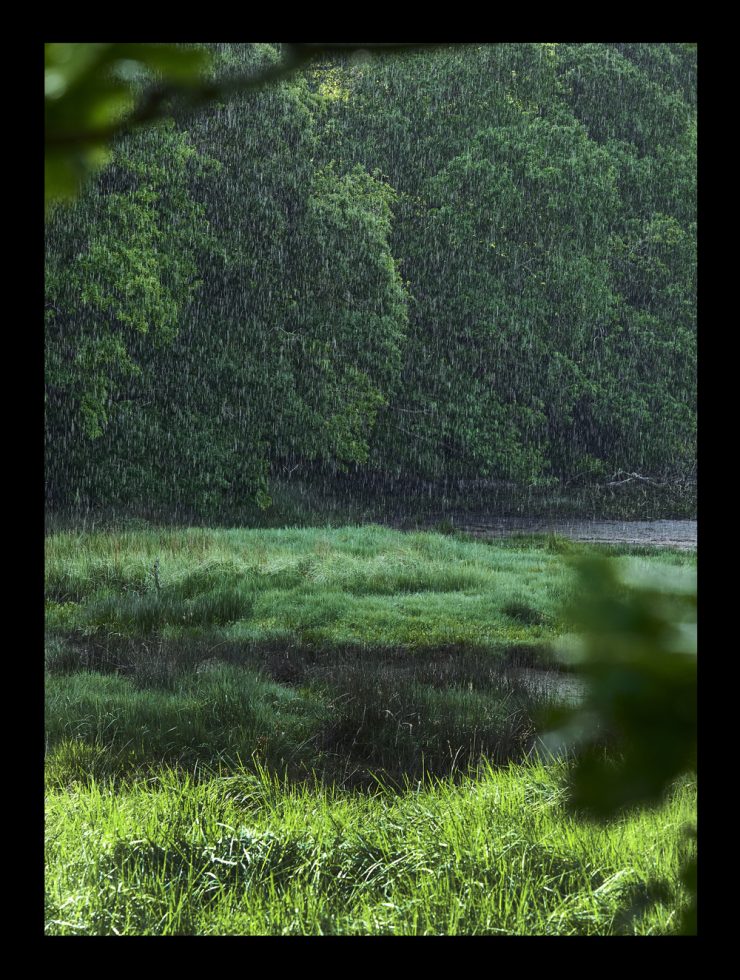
{"x":629,"y":477}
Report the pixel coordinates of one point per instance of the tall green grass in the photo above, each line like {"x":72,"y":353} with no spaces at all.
{"x":347,"y":724}
{"x":247,"y":854}
{"x":225,"y":713}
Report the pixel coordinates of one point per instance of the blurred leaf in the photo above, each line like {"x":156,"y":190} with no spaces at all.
{"x":171,"y":61}
{"x":91,"y":90}
{"x":637,"y":654}
{"x":90,"y":95}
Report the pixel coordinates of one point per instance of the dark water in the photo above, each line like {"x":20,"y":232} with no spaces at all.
{"x":667,"y":534}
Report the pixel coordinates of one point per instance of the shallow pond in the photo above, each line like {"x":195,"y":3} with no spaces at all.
{"x":667,"y":534}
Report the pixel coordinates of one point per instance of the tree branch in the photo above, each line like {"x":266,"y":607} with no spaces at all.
{"x":630,"y":477}
{"x":155,"y":105}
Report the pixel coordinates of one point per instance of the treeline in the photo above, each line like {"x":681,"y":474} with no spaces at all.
{"x":474,"y":263}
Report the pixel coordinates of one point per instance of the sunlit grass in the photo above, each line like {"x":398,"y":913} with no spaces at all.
{"x":243,"y":853}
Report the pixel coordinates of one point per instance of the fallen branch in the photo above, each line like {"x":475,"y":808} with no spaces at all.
{"x":629,"y":477}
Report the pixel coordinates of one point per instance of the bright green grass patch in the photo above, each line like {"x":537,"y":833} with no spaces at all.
{"x":246,"y":854}
{"x":367,"y":585}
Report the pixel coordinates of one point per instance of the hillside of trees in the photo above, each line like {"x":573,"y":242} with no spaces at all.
{"x":472,"y":264}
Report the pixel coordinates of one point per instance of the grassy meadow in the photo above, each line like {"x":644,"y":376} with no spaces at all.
{"x":326,"y":731}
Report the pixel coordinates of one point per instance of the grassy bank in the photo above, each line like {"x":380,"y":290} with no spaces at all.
{"x":323,"y":731}
{"x":366,"y":587}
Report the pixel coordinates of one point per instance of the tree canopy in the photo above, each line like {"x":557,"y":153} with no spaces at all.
{"x":472,"y":263}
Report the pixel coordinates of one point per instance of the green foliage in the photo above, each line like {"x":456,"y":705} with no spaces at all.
{"x":297,"y":325}
{"x":531,"y":351}
{"x":638,"y":657}
{"x":475,"y":263}
{"x":90,"y":91}
{"x":119,"y":264}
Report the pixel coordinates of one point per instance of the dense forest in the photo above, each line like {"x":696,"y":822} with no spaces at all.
{"x":472,"y":264}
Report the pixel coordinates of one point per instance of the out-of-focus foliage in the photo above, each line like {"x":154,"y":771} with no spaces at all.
{"x":636,"y":650}
{"x":90,"y":93}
